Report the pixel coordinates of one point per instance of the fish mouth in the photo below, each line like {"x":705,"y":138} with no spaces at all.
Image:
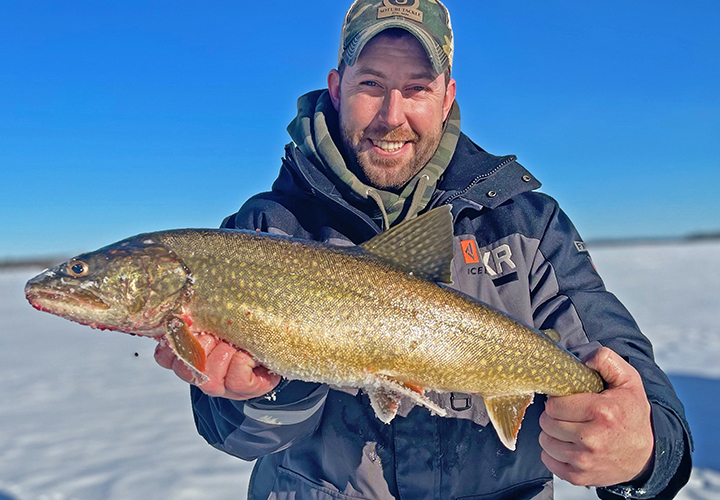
{"x":43,"y":299}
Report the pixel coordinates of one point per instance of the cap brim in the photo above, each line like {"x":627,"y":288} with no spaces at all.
{"x":438,"y":58}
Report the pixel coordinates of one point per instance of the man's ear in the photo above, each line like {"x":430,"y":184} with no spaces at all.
{"x":449,"y":98}
{"x":334,"y":88}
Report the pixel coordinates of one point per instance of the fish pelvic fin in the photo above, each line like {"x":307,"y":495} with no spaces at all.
{"x":422,"y":246}
{"x":186,"y":347}
{"x":506,"y":414}
{"x":386,"y":393}
{"x":385,"y":403}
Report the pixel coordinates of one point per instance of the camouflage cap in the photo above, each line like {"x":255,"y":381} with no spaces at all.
{"x":427,"y":20}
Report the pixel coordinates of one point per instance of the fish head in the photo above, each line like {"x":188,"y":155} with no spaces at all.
{"x":129,"y":286}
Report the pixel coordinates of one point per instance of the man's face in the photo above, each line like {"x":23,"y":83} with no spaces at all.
{"x":392,"y":106}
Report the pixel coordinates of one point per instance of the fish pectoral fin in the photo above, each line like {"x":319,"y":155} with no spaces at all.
{"x":186,"y":347}
{"x":388,"y":385}
{"x":506,"y":414}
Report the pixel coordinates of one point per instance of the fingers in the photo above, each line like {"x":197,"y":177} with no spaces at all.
{"x":560,"y":429}
{"x":565,"y":471}
{"x":232,"y":373}
{"x":614,"y":370}
{"x":561,"y":452}
{"x":246,"y":378}
{"x":573,"y":408}
{"x":599,"y":439}
{"x":164,"y":356}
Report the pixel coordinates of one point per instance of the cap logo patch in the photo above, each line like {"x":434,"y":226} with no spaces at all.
{"x":405,"y":8}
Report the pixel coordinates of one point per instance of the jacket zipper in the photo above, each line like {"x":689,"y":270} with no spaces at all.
{"x":477,"y":179}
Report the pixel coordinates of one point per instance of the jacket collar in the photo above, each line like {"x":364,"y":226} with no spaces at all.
{"x":483,"y":179}
{"x":474,"y":176}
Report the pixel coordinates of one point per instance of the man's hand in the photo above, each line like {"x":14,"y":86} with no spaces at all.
{"x":600,"y":439}
{"x":233,"y":373}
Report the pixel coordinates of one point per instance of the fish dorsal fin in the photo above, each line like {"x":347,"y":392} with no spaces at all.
{"x":422,"y":246}
{"x":506,"y":414}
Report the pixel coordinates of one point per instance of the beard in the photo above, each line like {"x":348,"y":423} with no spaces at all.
{"x":383,"y":172}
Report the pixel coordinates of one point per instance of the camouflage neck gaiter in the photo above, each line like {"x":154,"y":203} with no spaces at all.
{"x":315,"y":130}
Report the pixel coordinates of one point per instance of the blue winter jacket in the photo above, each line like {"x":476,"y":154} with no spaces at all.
{"x":515,"y":250}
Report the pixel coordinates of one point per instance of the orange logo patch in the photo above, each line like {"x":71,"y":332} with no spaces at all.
{"x":469,"y":250}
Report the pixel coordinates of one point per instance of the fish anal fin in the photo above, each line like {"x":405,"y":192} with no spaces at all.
{"x":385,"y":385}
{"x":186,"y":347}
{"x":422,"y":246}
{"x":506,"y":414}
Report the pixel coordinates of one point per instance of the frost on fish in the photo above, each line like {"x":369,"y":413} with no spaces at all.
{"x":370,"y":317}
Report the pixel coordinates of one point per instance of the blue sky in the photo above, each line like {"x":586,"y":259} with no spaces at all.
{"x":123,"y":117}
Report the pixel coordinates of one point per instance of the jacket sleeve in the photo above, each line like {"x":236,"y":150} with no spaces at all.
{"x":569,"y":297}
{"x":257,"y":427}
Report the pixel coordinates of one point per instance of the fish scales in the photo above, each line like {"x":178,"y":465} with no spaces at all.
{"x":368,"y":317}
{"x":331,"y":309}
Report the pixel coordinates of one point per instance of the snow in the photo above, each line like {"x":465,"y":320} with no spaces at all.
{"x":84,"y":417}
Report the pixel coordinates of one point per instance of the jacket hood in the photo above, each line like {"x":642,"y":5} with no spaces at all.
{"x":316,"y":132}
{"x":482,"y":179}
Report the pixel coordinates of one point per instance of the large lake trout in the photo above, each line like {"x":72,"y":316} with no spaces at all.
{"x":371,"y":317}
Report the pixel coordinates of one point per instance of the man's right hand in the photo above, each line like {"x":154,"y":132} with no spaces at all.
{"x":233,"y":373}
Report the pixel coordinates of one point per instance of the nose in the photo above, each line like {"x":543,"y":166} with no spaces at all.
{"x":393,"y":111}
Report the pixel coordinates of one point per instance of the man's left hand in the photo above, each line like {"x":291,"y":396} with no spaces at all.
{"x":600,"y":439}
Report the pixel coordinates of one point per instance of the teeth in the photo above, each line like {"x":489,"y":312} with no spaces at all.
{"x":389,"y":146}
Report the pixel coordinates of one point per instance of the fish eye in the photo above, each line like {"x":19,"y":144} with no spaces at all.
{"x":78,"y":268}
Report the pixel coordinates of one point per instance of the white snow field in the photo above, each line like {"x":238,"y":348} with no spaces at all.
{"x":88,"y":415}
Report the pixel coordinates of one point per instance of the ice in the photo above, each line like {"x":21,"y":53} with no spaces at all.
{"x":673,"y":291}
{"x":83,"y":417}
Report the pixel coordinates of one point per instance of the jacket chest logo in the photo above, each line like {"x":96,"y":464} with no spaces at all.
{"x":495,"y":262}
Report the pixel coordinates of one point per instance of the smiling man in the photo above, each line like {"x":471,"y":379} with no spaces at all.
{"x":392,"y":106}
{"x":379,"y":146}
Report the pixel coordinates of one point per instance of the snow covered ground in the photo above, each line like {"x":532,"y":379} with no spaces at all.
{"x":86,"y":414}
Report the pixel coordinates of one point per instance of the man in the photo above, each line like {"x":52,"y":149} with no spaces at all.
{"x":379,"y":146}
